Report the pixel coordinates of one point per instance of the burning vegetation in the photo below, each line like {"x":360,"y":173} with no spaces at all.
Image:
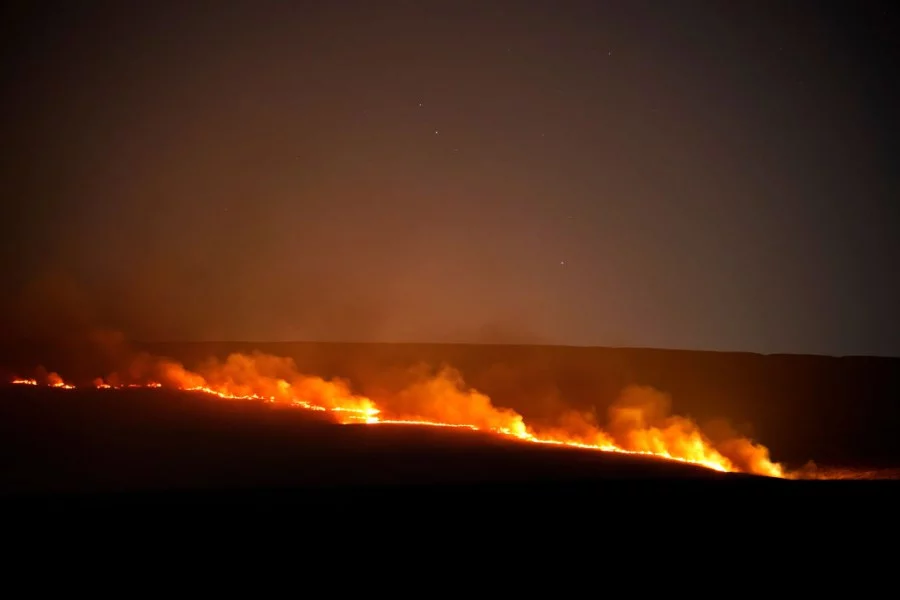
{"x":639,"y":422}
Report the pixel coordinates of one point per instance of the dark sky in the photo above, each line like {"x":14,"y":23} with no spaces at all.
{"x":708,"y":175}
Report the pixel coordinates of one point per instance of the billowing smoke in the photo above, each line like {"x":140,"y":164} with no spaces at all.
{"x":445,"y":398}
{"x":641,"y":420}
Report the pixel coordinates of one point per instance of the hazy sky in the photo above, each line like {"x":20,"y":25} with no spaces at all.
{"x":712,"y":175}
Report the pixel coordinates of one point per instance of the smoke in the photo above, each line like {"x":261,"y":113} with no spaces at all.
{"x":738,"y":447}
{"x":641,"y":420}
{"x":445,"y":398}
{"x":510,"y":331}
{"x":167,"y":296}
{"x":243,"y":375}
{"x":53,"y":305}
{"x":577,"y":427}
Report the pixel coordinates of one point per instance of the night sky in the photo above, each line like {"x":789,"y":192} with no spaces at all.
{"x":703,"y":175}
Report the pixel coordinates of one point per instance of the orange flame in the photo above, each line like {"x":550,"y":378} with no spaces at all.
{"x":54,"y":380}
{"x":639,"y":422}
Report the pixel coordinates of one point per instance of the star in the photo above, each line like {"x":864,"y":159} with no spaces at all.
{"x":436,"y":132}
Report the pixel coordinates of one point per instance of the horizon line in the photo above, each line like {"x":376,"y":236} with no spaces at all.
{"x":462,"y":343}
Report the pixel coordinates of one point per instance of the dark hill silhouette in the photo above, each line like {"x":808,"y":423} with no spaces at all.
{"x":144,"y":440}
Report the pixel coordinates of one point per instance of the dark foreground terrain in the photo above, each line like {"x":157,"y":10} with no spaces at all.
{"x":100,"y":441}
{"x":138,"y":455}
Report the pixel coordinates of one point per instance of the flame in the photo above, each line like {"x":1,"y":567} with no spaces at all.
{"x":639,"y":422}
{"x":54,"y":380}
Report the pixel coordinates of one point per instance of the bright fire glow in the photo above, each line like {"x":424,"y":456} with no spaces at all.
{"x":639,"y":422}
